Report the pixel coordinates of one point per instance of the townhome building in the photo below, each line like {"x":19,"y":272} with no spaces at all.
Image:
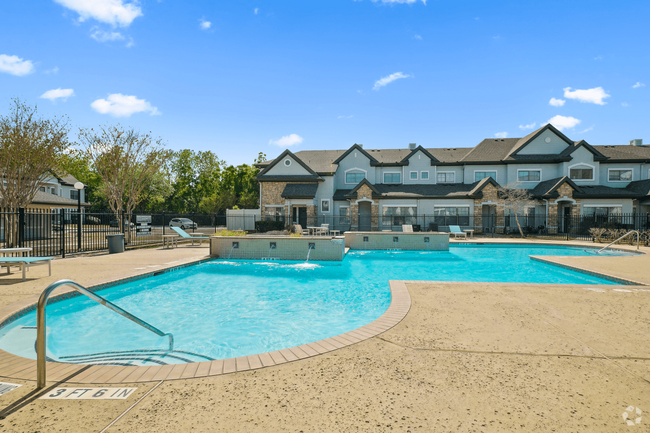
{"x":380,"y":189}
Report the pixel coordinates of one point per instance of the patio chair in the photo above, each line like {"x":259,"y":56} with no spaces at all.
{"x":456,"y":231}
{"x":326,"y":229}
{"x":182,"y":233}
{"x":25,"y":263}
{"x":407,"y":228}
{"x":297,"y":228}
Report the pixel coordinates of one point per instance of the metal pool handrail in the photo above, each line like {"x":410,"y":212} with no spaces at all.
{"x":40,"y":323}
{"x":626,"y":234}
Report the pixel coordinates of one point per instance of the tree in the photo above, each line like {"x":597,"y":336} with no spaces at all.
{"x":126,"y":161}
{"x":195,"y":175}
{"x":30,"y":148}
{"x":75,"y":163}
{"x":517,"y":200}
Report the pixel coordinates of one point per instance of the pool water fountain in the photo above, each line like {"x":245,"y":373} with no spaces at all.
{"x":311,"y":246}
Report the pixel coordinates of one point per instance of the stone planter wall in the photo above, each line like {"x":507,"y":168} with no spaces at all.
{"x":286,"y":248}
{"x":397,"y":240}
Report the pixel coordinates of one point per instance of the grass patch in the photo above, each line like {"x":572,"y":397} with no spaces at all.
{"x":230,"y":233}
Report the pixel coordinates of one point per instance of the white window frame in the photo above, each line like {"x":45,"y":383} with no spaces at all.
{"x":285,"y":162}
{"x":530,"y":169}
{"x":383,"y":177}
{"x":349,"y":215}
{"x":345,"y":174}
{"x":417,"y":177}
{"x":329,"y":205}
{"x":593,"y":172}
{"x":485,"y":171}
{"x":620,"y":169}
{"x":446,"y":172}
{"x":422,"y":172}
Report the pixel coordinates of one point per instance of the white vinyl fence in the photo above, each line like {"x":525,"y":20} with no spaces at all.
{"x":242,"y":219}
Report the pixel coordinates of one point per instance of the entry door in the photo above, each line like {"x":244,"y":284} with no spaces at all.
{"x":302,"y":216}
{"x":566,"y":223}
{"x":364,"y":216}
{"x":488,"y":218}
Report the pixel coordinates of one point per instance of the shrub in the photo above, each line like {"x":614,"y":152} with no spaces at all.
{"x":597,"y":233}
{"x":230,"y":233}
{"x":267,"y":226}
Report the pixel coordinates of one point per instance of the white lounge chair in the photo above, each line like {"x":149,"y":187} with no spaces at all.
{"x":186,"y":235}
{"x":298,"y":229}
{"x":456,"y":231}
{"x":25,"y":262}
{"x":407,"y":228}
{"x":325,"y":229}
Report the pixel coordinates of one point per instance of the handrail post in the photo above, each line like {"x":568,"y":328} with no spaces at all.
{"x":41,"y":339}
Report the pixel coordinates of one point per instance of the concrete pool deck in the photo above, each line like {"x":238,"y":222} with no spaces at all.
{"x":467,"y":357}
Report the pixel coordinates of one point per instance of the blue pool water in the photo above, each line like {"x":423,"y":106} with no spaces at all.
{"x":224,"y":309}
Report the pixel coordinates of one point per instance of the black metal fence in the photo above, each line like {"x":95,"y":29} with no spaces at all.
{"x":57,"y":232}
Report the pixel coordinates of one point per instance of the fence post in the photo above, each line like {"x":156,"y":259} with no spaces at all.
{"x":62,"y":226}
{"x":163,"y":222}
{"x":194,"y":221}
{"x":21,"y":226}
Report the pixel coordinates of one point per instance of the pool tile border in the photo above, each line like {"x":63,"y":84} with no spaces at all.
{"x":16,"y":367}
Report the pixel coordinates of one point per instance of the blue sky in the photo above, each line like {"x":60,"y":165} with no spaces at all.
{"x":240,"y":77}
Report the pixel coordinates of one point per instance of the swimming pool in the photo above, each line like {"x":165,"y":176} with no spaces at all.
{"x":224,"y":309}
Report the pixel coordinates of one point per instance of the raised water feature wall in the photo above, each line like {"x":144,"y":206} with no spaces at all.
{"x":277,"y":248}
{"x":418,"y":241}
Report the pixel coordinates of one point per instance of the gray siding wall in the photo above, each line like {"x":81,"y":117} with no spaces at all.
{"x":540,"y":147}
{"x":500,"y":169}
{"x":281,"y":169}
{"x":625,"y":203}
{"x":325,"y":191}
{"x":549,"y":171}
{"x":458,"y":177}
{"x":419,"y":163}
{"x":354,"y":160}
{"x":604,"y":173}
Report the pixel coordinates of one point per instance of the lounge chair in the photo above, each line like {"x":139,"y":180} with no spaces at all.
{"x":407,"y":228}
{"x":185,"y":235}
{"x":297,"y":228}
{"x":25,"y":262}
{"x":325,"y":229}
{"x":456,"y":231}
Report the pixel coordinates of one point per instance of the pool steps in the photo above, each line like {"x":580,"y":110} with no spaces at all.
{"x":135,"y":358}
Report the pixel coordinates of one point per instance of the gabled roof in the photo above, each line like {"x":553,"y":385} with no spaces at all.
{"x":299,"y":190}
{"x":640,"y":187}
{"x":548,"y":188}
{"x":357,"y":148}
{"x":262,"y":174}
{"x":433,"y":159}
{"x":482,"y":184}
{"x":523,"y":142}
{"x":626,"y":153}
{"x":55,"y":200}
{"x":582,"y":143}
{"x":366,"y":182}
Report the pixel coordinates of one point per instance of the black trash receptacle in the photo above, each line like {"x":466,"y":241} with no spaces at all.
{"x":433,"y":227}
{"x":115,"y":243}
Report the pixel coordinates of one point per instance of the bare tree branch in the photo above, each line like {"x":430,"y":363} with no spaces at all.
{"x":517,"y":200}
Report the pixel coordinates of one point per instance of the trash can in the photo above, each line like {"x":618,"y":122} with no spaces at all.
{"x":115,"y":243}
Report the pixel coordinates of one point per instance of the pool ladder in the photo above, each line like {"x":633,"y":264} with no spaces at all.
{"x":41,"y":356}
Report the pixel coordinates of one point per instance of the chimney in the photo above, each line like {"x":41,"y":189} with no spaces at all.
{"x":637,"y":142}
{"x":412,"y":146}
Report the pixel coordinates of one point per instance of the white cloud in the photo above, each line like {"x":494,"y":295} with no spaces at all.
{"x":418,"y":37}
{"x":563,"y":122}
{"x":54,"y":70}
{"x":598,"y":58}
{"x":594,"y":96}
{"x":256,"y":11}
{"x":114,"y":12}
{"x":119,"y":105}
{"x":625,"y":104}
{"x":130,"y":43}
{"x":205,"y":24}
{"x":529,"y":126}
{"x":591,"y":128}
{"x":287,"y":140}
{"x":346,"y":117}
{"x":14,"y":65}
{"x":102,"y":36}
{"x":556,"y":102}
{"x":408,"y":2}
{"x":54,"y":94}
{"x":388,"y":79}
{"x":501,"y":134}
{"x":638,"y":84}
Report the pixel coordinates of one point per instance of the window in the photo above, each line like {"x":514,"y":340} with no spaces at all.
{"x":413,"y":175}
{"x":457,"y":216}
{"x":620,"y":175}
{"x":529,"y":175}
{"x":604,"y":214}
{"x":581,"y":173}
{"x":287,"y":162}
{"x":40,"y":189}
{"x":398,"y":215}
{"x":424,"y":175}
{"x":354,"y":177}
{"x":74,"y":194}
{"x":478,"y":175}
{"x":53,"y":191}
{"x":325,"y":206}
{"x":344,"y":215}
{"x":392,"y":177}
{"x":274,"y":213}
{"x":446,"y":177}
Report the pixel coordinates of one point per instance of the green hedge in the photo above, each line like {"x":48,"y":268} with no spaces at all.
{"x":267,"y":226}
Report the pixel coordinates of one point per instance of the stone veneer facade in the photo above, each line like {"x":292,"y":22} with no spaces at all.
{"x":271,"y":194}
{"x":364,"y":193}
